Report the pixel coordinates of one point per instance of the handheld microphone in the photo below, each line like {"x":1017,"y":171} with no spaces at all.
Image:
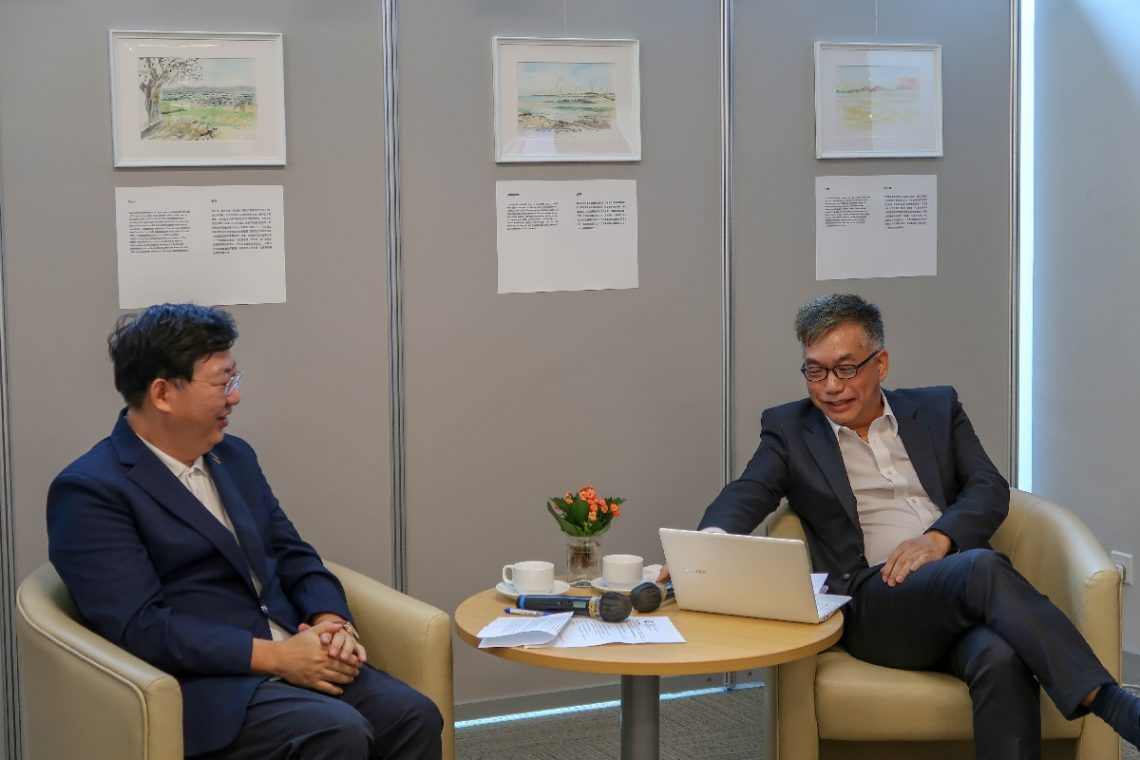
{"x":648,"y":596}
{"x":611,"y":606}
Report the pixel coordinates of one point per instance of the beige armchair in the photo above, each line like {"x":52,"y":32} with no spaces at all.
{"x":834,"y":706}
{"x":85,"y":697}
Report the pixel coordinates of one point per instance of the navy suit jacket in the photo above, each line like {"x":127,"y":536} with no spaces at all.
{"x":153,"y":571}
{"x":798,"y":458}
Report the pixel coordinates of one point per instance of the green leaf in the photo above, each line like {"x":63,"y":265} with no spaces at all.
{"x":578,"y":512}
{"x":559,"y":515}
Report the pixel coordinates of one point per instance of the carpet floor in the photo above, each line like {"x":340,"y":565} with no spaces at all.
{"x":701,"y":727}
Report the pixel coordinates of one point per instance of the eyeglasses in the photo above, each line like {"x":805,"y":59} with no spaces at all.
{"x":227,"y":387}
{"x":814,"y":373}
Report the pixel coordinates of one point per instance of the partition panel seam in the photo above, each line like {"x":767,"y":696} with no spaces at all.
{"x":395,"y":300}
{"x":9,"y":664}
{"x":726,"y":235}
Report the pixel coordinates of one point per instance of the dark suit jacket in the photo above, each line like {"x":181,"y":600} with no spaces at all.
{"x":153,"y":571}
{"x":798,"y":458}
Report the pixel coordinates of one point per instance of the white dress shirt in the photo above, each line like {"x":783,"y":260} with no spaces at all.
{"x":893,"y":506}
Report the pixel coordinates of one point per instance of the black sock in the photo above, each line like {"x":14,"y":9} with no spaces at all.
{"x":1119,"y":709}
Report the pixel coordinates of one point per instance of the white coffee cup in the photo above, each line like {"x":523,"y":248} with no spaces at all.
{"x":533,"y":576}
{"x":621,"y":570}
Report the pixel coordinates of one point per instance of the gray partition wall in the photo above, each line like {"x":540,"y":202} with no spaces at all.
{"x":515,"y":398}
{"x":507,"y":399}
{"x":314,"y":398}
{"x":950,"y":329}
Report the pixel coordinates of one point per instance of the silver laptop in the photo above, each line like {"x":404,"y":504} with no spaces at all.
{"x":753,"y":576}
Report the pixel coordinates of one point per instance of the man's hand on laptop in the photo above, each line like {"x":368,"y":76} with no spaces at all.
{"x":913,"y":554}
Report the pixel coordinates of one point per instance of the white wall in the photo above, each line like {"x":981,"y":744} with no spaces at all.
{"x":1087,"y":331}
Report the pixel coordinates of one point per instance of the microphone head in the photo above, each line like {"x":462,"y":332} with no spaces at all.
{"x":613,"y":607}
{"x":646,"y":597}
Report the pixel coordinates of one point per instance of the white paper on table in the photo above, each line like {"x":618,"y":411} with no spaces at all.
{"x":586,"y":632}
{"x":522,"y":631}
{"x":817,"y":580}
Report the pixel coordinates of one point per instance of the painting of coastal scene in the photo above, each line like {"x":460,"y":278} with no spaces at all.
{"x":874,"y":98}
{"x":566,"y":98}
{"x":197,"y":98}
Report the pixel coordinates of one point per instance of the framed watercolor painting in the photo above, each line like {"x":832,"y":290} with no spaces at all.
{"x":566,"y":100}
{"x":197,"y":99}
{"x":875,"y":101}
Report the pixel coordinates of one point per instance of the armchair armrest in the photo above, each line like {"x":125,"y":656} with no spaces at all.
{"x":116,"y":704}
{"x":1061,"y":557}
{"x":405,"y":637}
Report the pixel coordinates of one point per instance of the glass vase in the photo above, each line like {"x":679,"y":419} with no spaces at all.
{"x":583,"y":560}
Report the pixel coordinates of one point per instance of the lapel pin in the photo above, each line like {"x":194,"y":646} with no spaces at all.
{"x":215,"y":458}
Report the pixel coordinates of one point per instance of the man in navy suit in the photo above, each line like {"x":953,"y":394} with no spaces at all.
{"x":173,"y":546}
{"x":898,"y":500}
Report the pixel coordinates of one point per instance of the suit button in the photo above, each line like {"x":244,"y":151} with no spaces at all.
{"x":847,"y":576}
{"x":265,"y":610}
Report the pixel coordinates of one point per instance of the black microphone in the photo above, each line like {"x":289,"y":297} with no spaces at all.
{"x":611,"y":606}
{"x":648,"y":596}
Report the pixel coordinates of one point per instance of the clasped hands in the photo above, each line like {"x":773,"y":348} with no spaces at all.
{"x":322,"y":656}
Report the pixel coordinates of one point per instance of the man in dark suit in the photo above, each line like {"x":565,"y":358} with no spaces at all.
{"x":898,"y":500}
{"x":173,"y":546}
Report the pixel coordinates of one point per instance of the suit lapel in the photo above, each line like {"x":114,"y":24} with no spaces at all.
{"x":824,"y":448}
{"x":916,"y":438}
{"x":154,"y":477}
{"x":240,"y":516}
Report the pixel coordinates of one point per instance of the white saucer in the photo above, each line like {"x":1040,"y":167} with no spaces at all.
{"x":508,"y":589}
{"x":622,"y":588}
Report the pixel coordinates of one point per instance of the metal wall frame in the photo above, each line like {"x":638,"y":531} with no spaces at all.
{"x":12,"y":745}
{"x":395,"y":299}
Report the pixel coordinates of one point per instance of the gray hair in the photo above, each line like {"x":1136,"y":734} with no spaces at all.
{"x":820,"y":316}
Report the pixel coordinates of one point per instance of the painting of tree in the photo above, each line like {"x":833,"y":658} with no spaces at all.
{"x":154,"y":74}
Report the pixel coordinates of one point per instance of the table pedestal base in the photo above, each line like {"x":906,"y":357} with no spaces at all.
{"x":640,"y":717}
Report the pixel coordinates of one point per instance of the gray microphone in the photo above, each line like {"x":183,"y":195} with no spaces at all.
{"x":648,"y":596}
{"x":611,"y":606}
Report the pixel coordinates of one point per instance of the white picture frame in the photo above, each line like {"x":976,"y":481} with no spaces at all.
{"x":566,"y":99}
{"x":197,"y":99}
{"x":878,"y":101}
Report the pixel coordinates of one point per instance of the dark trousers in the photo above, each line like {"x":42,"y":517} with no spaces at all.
{"x":377,"y":717}
{"x":973,"y":615}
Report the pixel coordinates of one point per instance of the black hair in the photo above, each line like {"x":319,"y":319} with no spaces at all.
{"x":820,"y":316}
{"x":165,"y":341}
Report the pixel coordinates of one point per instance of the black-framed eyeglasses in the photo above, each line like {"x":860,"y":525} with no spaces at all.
{"x":815,"y":373}
{"x":227,"y":387}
